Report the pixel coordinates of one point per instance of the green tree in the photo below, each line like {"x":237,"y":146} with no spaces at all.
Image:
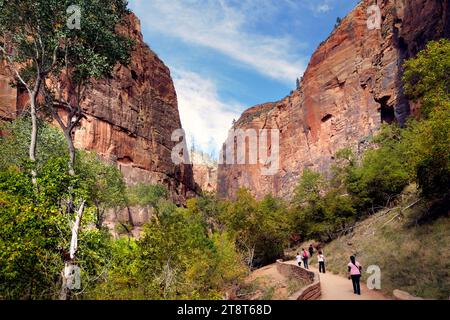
{"x":104,"y":182}
{"x":175,"y":258}
{"x":29,"y":241}
{"x":275,"y":229}
{"x":261,"y":228}
{"x":39,"y":43}
{"x":430,"y":140}
{"x":147,"y":194}
{"x":35,"y":233}
{"x":427,"y":77}
{"x":383,"y":172}
{"x":309,"y":188}
{"x":210,"y":207}
{"x":338,"y":22}
{"x":308,"y":206}
{"x":15,"y":140}
{"x":321,"y":209}
{"x":85,"y":54}
{"x":427,"y":81}
{"x":241,"y":217}
{"x":55,"y":59}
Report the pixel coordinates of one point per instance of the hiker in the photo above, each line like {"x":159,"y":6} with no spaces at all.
{"x":354,"y":273}
{"x":299,"y":259}
{"x":321,"y":260}
{"x":311,"y":250}
{"x":305,"y":259}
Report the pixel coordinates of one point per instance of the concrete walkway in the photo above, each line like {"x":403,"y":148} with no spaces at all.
{"x":336,"y":287}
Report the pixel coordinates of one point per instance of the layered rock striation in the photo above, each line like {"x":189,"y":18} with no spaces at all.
{"x":129,"y":118}
{"x":351,"y":86}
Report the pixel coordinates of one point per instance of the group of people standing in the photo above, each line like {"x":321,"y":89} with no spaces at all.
{"x":354,"y":267}
{"x":306,"y":254}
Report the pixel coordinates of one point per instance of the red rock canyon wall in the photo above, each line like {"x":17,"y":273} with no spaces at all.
{"x":351,"y":86}
{"x":129,"y":119}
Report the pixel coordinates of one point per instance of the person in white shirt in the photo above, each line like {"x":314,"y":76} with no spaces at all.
{"x":321,"y":260}
{"x":299,"y":259}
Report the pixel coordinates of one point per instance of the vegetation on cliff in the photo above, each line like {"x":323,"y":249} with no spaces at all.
{"x":179,"y":255}
{"x":403,"y":188}
{"x":199,"y":251}
{"x":412,"y":256}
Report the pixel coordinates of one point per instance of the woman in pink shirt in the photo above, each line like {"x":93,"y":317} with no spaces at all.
{"x":354,"y":273}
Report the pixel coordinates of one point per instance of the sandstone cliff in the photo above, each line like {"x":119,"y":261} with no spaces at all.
{"x":351,"y":86}
{"x":205,"y":171}
{"x":129,"y":118}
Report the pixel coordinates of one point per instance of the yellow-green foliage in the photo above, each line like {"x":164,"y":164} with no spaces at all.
{"x":261,"y":228}
{"x":176,"y":258}
{"x":427,"y":76}
{"x":427,"y":80}
{"x":35,"y":233}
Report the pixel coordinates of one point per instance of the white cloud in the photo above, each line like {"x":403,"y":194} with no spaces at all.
{"x":320,"y":6}
{"x":324,"y":7}
{"x":226,"y":26}
{"x":206,"y":119}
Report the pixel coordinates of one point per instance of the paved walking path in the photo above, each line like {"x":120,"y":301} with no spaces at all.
{"x":336,"y":287}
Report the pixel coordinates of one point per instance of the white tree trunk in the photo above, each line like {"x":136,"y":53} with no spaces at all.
{"x":34,"y":134}
{"x":75,"y":228}
{"x":70,"y":277}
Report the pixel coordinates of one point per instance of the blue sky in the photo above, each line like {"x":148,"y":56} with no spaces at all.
{"x":228,"y":55}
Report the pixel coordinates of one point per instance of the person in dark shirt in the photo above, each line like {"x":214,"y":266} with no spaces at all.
{"x":311,"y":250}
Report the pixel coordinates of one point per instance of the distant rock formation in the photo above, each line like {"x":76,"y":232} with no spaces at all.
{"x":205,"y":171}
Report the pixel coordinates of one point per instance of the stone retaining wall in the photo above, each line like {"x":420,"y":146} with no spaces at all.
{"x":311,"y":291}
{"x":403,"y":295}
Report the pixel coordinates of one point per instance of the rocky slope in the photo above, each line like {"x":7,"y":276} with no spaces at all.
{"x":129,"y":119}
{"x":351,"y":86}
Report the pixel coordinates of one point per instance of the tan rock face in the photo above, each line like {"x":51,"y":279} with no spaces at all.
{"x":205,"y":171}
{"x":351,"y":86}
{"x":205,"y":177}
{"x":8,"y":95}
{"x":129,"y":119}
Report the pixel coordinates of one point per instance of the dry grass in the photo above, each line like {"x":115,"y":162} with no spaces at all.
{"x":268,"y":284}
{"x":412,"y":258}
{"x":295,"y":284}
{"x":263,"y":287}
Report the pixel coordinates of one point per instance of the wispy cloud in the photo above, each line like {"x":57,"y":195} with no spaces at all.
{"x":315,"y":6}
{"x":324,"y":7}
{"x":205,"y":117}
{"x":227,"y":27}
{"x":263,"y":36}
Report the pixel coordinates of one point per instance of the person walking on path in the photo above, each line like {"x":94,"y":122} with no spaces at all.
{"x":354,"y":273}
{"x":305,"y":258}
{"x":321,"y":260}
{"x":311,"y":250}
{"x":299,"y":259}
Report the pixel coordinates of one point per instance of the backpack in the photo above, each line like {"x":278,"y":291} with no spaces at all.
{"x":305,"y":255}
